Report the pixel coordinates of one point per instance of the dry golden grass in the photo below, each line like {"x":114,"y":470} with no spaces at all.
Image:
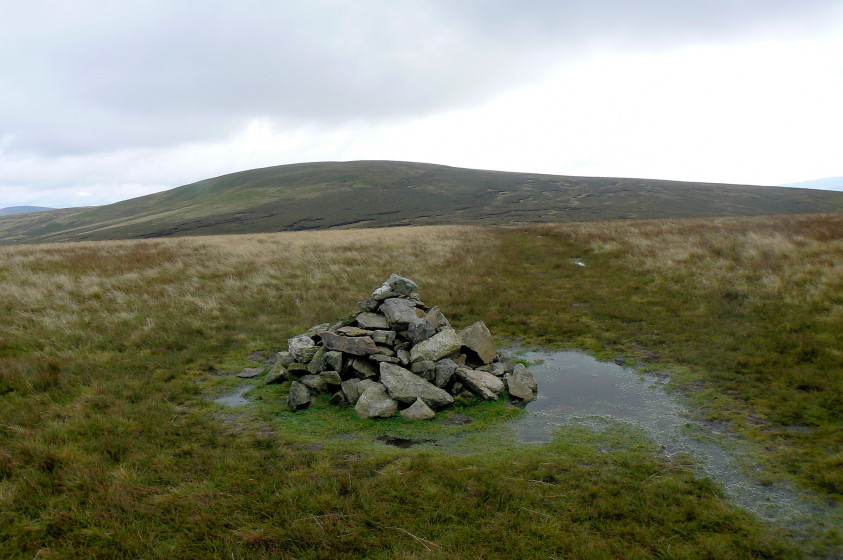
{"x":797,"y":257}
{"x":58,"y":286}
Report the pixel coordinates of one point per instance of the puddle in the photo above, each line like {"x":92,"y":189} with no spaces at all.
{"x":236,"y":398}
{"x":574,"y":388}
{"x":575,"y":385}
{"x":401,"y":442}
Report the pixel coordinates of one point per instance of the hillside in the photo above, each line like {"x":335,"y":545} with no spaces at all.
{"x":384,"y":193}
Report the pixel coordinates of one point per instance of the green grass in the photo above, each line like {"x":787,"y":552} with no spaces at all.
{"x":389,"y":193}
{"x":111,"y":353}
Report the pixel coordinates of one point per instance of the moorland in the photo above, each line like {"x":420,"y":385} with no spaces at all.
{"x":112,"y":352}
{"x":358,"y":194}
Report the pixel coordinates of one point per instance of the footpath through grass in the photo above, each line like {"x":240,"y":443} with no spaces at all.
{"x":110,"y":446}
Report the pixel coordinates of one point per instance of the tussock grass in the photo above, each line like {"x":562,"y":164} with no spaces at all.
{"x":110,"y":447}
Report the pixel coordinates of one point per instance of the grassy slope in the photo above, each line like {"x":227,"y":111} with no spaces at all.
{"x":383,"y":193}
{"x":109,"y":448}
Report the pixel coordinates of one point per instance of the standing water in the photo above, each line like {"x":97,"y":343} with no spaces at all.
{"x":236,"y":398}
{"x":574,"y":388}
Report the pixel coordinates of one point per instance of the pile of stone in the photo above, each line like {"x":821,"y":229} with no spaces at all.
{"x":397,"y":355}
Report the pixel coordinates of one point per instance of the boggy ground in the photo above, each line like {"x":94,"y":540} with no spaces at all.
{"x":110,"y":446}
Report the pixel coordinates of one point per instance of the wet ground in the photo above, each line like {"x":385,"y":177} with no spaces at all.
{"x":574,"y":388}
{"x":236,"y":398}
{"x":402,"y":442}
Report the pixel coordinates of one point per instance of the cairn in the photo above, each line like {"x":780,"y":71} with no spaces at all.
{"x":397,"y":355}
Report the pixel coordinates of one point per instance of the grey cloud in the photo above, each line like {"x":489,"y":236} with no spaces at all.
{"x":637,"y":23}
{"x":104,"y":76}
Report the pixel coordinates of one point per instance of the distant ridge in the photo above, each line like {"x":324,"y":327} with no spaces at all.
{"x":390,"y":193}
{"x":827,"y":183}
{"x":22,"y":209}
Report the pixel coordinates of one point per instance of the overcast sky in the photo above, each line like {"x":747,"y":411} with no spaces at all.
{"x":102,"y":101}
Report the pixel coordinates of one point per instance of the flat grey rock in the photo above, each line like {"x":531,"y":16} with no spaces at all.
{"x":370,"y":304}
{"x":355,"y":345}
{"x":312,"y":331}
{"x":480,"y":383}
{"x":296,"y":370}
{"x":333,"y":359}
{"x":354,"y":331}
{"x":318,"y":363}
{"x":384,"y":358}
{"x":278,"y":374}
{"x":364,"y":384}
{"x":250,"y":372}
{"x":372,"y":321}
{"x":443,"y":343}
{"x":425,"y":369}
{"x":285,"y":359}
{"x":316,"y":383}
{"x":364,"y":367}
{"x":298,"y":397}
{"x":395,"y":285}
{"x":302,"y":348}
{"x":406,"y":386}
{"x":351,"y":391}
{"x":478,"y":339}
{"x":521,"y":383}
{"x":384,"y":337}
{"x":436,"y":318}
{"x":444,"y":371}
{"x":417,"y":411}
{"x":399,"y":313}
{"x":331,"y":377}
{"x":375,"y":402}
{"x":385,"y":350}
{"x":420,"y":330}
